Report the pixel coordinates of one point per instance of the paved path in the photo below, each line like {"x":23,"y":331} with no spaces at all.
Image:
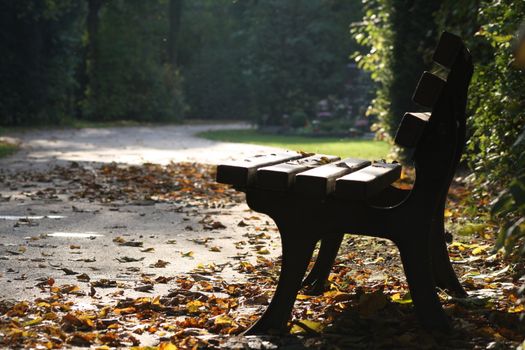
{"x":131,"y":145}
{"x":39,"y":236}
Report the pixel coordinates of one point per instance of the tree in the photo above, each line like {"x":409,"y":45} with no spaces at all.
{"x":400,"y":35}
{"x":39,"y":45}
{"x":174,"y":17}
{"x":129,"y":78}
{"x":297,"y":54}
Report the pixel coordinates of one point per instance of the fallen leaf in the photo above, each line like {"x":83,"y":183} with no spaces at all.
{"x":160,"y":264}
{"x":69,"y":271}
{"x":187,"y":254}
{"x":306,"y":326}
{"x":83,"y":278}
{"x":127,"y":259}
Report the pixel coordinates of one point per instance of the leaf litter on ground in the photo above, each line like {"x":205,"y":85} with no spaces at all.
{"x":366,"y":302}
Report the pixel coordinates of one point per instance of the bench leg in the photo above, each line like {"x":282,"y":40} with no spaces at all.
{"x":444,"y":274}
{"x":416,"y":258}
{"x":296,"y":254}
{"x":316,"y":279}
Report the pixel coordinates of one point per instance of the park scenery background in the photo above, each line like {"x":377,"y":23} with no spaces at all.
{"x":327,"y":76}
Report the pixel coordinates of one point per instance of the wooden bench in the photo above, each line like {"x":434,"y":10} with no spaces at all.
{"x":316,"y":198}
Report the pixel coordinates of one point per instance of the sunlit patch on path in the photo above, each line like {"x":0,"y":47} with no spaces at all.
{"x":75,"y":234}
{"x":26,"y":217}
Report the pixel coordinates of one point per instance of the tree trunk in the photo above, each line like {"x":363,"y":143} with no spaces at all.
{"x":91,"y":48}
{"x":174,"y":17}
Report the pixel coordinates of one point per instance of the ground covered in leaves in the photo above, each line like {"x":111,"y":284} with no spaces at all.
{"x":366,"y":303}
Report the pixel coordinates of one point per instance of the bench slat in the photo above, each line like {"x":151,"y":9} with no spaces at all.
{"x":319,"y":182}
{"x":368,"y":181}
{"x":447,"y":50}
{"x":428,"y":89}
{"x":281,"y":177}
{"x":411,"y":129}
{"x":242,"y":173}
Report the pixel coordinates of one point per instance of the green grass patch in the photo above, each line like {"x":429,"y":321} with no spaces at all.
{"x":356,"y":148}
{"x":7,"y":149}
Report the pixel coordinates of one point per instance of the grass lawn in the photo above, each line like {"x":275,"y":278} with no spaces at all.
{"x":356,"y":148}
{"x":7,"y":149}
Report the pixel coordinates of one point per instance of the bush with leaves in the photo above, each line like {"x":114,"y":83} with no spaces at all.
{"x":398,"y":51}
{"x":509,"y":207}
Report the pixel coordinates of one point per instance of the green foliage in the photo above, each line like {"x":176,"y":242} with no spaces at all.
{"x":509,"y":206}
{"x":210,"y":55}
{"x":128,"y":79}
{"x":38,"y":41}
{"x":296,"y":54}
{"x":264,"y":59}
{"x":496,"y":108}
{"x":399,"y":35}
{"x":496,"y":96}
{"x":125,"y":59}
{"x":298,"y":119}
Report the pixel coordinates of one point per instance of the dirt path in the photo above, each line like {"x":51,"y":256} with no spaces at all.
{"x":130,"y":145}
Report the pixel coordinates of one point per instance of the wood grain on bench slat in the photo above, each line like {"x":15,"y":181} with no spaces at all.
{"x":428,"y":89}
{"x":411,"y":129}
{"x":242,"y":173}
{"x":319,"y":182}
{"x":368,"y":181}
{"x":280,"y":177}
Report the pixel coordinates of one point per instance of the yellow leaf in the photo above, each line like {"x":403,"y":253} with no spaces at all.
{"x":307,"y":325}
{"x":33,"y":322}
{"x":167,"y":346}
{"x":479,"y":250}
{"x":125,"y":310}
{"x":103,"y":347}
{"x":223,"y":320}
{"x":263,"y":251}
{"x":193,"y":306}
{"x":517,"y":308}
{"x":303,"y":297}
{"x":187,"y":255}
{"x":406,"y":299}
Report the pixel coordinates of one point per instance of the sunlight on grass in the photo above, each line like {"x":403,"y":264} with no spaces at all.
{"x":356,"y":148}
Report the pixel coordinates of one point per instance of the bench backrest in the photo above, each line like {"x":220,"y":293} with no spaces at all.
{"x":437,"y":137}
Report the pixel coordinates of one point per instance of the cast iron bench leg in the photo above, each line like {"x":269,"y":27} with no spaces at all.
{"x":297,"y":250}
{"x":316,"y":279}
{"x":444,"y":274}
{"x":330,"y":245}
{"x":415,"y":254}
